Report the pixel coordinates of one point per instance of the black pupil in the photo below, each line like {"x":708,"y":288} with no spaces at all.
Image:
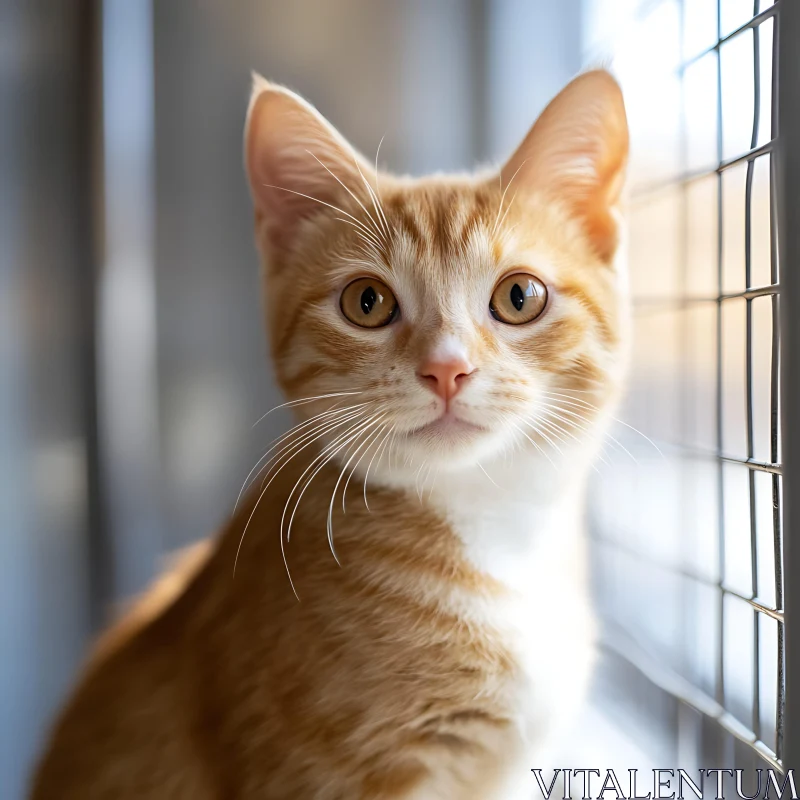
{"x":368,"y":298}
{"x":517,"y":297}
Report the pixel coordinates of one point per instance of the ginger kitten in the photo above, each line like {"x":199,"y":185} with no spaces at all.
{"x":409,"y":615}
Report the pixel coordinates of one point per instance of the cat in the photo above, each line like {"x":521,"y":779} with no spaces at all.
{"x":399,"y":606}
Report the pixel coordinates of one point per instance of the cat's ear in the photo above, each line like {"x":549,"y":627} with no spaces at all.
{"x":297,"y":164}
{"x":576,"y":153}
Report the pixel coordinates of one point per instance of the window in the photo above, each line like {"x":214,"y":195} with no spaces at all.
{"x":686,"y":516}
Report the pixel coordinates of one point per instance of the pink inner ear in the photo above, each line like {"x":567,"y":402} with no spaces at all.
{"x":294,"y":158}
{"x":272,"y":156}
{"x":576,"y":152}
{"x":598,"y":207}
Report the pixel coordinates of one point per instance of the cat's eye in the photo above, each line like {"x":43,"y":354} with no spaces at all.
{"x":368,"y":303}
{"x":518,"y":298}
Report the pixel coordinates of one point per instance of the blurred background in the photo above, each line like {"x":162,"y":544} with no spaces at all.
{"x":133,"y":363}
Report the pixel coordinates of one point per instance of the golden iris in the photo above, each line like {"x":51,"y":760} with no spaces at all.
{"x":368,"y":303}
{"x":518,"y":298}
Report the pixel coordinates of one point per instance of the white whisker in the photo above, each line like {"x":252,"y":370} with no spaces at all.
{"x":351,"y":220}
{"x":544,"y":436}
{"x":280,"y":531}
{"x":553,"y":426}
{"x":378,"y":187}
{"x":339,"y":480}
{"x":377,"y":173}
{"x":312,"y":435}
{"x":540,"y":449}
{"x":369,"y":240}
{"x":317,"y":418}
{"x":567,"y":412}
{"x":433,"y":482}
{"x":550,"y":413}
{"x":303,"y":401}
{"x":491,"y":480}
{"x":555,"y":430}
{"x":263,"y":492}
{"x":376,"y":203}
{"x":369,"y":466}
{"x":508,"y":208}
{"x":586,"y":404}
{"x":503,"y":196}
{"x":327,"y":454}
{"x":372,"y":438}
{"x":352,"y":194}
{"x":416,"y":480}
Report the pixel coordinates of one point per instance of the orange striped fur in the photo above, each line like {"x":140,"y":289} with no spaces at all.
{"x":408,"y":616}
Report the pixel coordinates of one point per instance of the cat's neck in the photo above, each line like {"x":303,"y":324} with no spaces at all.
{"x":516,"y":514}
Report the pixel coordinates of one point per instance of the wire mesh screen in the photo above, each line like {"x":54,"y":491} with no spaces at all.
{"x":686,"y":523}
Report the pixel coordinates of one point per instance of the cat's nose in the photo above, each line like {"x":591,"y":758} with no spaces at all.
{"x":446,"y":377}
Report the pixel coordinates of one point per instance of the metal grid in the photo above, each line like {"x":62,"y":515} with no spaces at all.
{"x":748,"y":731}
{"x":773,"y":467}
{"x":786,"y":185}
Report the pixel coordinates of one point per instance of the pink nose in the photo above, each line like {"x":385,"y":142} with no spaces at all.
{"x":446,"y":378}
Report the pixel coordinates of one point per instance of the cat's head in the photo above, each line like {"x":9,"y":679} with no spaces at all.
{"x":447,"y":320}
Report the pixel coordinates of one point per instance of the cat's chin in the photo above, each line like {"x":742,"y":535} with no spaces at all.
{"x":447,"y":429}
{"x":448,"y":443}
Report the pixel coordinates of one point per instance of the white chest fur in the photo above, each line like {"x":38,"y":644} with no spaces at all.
{"x":523,"y":526}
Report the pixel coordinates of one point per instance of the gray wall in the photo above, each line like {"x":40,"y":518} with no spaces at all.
{"x":45,"y":353}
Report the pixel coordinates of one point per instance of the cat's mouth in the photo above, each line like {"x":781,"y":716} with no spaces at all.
{"x":447,"y":426}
